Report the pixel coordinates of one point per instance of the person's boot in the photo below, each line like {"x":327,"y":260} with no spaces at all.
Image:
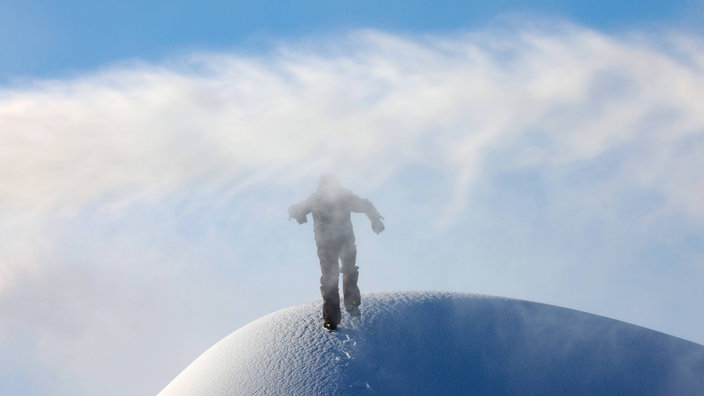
{"x":353,"y":310}
{"x":331,"y":308}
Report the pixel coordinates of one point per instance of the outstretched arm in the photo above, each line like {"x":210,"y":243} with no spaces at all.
{"x":299,"y":211}
{"x":365,"y":206}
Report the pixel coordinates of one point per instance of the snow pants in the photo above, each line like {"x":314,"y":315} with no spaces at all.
{"x":331,"y":253}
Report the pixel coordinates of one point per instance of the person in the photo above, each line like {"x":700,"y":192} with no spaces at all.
{"x":331,"y":206}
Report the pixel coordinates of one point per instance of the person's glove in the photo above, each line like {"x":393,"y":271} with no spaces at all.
{"x":293,"y":213}
{"x":377,"y":225}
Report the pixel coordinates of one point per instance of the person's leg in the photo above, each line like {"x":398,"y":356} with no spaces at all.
{"x":350,"y":276}
{"x":330,"y":270}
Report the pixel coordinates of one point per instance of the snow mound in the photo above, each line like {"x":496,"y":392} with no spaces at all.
{"x":421,"y":343}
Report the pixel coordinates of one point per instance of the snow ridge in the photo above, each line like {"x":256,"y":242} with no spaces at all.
{"x":439,"y":342}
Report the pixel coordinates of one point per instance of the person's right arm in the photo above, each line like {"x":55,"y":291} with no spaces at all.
{"x":300,"y":211}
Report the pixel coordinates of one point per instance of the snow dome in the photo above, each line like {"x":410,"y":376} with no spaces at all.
{"x":421,"y":343}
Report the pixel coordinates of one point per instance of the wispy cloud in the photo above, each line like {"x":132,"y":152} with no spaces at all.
{"x":367,"y":100}
{"x":597,"y":118}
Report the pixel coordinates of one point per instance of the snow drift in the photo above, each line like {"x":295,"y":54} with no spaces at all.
{"x":422,"y":343}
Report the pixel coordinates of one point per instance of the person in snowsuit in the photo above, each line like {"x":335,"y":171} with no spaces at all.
{"x":331,"y":206}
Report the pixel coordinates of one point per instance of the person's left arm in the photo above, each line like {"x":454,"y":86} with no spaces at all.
{"x":361,"y":205}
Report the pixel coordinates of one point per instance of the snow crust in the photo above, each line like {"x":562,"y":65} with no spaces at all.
{"x":420,"y":343}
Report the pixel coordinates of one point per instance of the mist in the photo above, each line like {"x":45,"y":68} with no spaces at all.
{"x":143,"y":206}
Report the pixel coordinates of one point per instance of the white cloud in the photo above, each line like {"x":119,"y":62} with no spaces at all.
{"x":109,"y":171}
{"x":145,"y":131}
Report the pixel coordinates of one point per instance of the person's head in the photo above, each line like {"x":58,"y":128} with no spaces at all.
{"x":329,"y":181}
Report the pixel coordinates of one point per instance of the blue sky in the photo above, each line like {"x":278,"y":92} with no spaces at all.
{"x":547,"y":151}
{"x":50,"y":38}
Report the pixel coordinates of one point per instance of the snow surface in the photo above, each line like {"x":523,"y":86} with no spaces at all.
{"x":422,"y":343}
